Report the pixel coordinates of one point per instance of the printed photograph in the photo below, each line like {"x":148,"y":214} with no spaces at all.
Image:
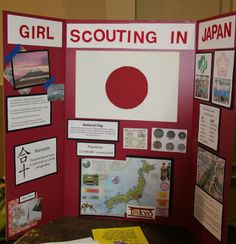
{"x":2,"y":210}
{"x":56,"y":92}
{"x":210,"y":173}
{"x":223,"y":78}
{"x":202,"y":85}
{"x":24,"y":215}
{"x":221,"y":91}
{"x":30,"y":68}
{"x":7,"y":74}
{"x":202,"y":76}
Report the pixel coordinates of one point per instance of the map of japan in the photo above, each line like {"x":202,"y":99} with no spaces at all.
{"x":107,"y":186}
{"x":134,"y":193}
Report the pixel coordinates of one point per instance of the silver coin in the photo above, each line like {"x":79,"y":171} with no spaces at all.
{"x":181,"y":147}
{"x":159,"y":133}
{"x":171,"y":134}
{"x":170,"y":146}
{"x":157,"y":144}
{"x":182,"y":135}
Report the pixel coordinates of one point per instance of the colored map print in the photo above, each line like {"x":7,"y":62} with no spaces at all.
{"x":134,"y":193}
{"x":107,"y":186}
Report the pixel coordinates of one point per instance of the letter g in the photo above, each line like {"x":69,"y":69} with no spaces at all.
{"x":24,"y":31}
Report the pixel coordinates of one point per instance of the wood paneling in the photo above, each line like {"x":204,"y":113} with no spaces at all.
{"x":176,"y":9}
{"x":120,"y":10}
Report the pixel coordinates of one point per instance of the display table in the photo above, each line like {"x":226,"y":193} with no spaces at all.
{"x":69,"y":228}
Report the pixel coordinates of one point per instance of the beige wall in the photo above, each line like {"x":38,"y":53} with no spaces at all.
{"x":120,"y":9}
{"x":182,"y":9}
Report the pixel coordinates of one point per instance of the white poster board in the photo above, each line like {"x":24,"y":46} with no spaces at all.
{"x":35,"y":160}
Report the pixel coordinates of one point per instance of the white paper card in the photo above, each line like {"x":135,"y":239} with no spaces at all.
{"x":208,"y":212}
{"x":208,"y":130}
{"x":93,"y":130}
{"x":28,"y":111}
{"x":95,"y":149}
{"x":35,"y":160}
{"x":27,"y":197}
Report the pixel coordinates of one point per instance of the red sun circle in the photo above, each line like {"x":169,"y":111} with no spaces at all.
{"x":126,"y":87}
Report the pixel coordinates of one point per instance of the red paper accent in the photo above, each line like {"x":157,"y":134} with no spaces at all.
{"x":126,"y":87}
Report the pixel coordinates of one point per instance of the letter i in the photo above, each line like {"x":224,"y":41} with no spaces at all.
{"x":172,"y":37}
{"x":33,"y":32}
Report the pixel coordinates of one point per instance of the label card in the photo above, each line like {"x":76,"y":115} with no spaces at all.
{"x":208,"y":212}
{"x":93,"y":130}
{"x":35,"y":160}
{"x":27,"y":112}
{"x":208,"y":130}
{"x":95,"y":149}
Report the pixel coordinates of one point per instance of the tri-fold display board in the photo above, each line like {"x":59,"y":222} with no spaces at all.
{"x":119,"y":119}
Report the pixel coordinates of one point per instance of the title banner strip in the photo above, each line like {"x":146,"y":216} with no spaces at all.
{"x":34,"y":31}
{"x":173,"y":36}
{"x":217,"y":33}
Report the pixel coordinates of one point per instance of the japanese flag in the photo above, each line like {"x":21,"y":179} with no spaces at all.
{"x":129,"y":85}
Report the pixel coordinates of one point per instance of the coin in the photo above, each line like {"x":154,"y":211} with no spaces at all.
{"x":159,"y":133}
{"x":181,"y":147}
{"x":170,"y":134}
{"x":157,"y":144}
{"x":170,"y":146}
{"x":182,"y":135}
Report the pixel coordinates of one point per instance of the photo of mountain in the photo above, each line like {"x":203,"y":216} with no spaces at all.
{"x":30,"y":68}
